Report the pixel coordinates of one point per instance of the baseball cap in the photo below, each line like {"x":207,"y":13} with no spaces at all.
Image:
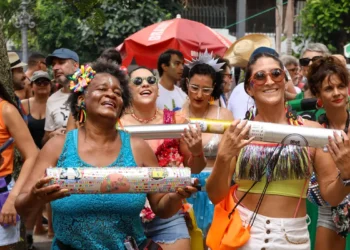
{"x":15,"y":61}
{"x":40,"y":74}
{"x":62,"y":53}
{"x":265,"y":50}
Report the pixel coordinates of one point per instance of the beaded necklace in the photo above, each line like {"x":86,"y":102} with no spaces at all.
{"x":144,"y":120}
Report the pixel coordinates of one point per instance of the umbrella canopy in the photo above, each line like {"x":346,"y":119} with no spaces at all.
{"x":187,"y":36}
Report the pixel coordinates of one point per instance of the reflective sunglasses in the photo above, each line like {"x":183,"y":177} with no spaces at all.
{"x":139,"y":80}
{"x":305,"y":61}
{"x":195,"y":89}
{"x":43,"y":82}
{"x":260,"y":77}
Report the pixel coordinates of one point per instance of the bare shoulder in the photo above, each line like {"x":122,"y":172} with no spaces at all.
{"x":54,"y":145}
{"x":308,"y":123}
{"x":8,"y":109}
{"x":138,"y":143}
{"x":226,"y":114}
{"x":180,"y":117}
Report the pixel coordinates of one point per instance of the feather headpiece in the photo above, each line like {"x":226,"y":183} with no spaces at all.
{"x":207,"y":59}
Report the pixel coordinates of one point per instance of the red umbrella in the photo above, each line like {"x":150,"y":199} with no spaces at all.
{"x":188,"y":36}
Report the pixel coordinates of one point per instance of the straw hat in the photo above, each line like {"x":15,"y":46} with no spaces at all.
{"x":15,"y":62}
{"x":240,"y":51}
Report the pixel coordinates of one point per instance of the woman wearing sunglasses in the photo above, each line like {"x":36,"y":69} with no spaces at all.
{"x":171,"y":233}
{"x":35,"y":107}
{"x":203,"y":83}
{"x":328,"y":80}
{"x":272,"y":178}
{"x":310,"y":54}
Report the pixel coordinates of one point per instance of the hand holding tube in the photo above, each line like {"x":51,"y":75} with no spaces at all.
{"x":234,"y":139}
{"x":42,"y":191}
{"x":339,"y":148}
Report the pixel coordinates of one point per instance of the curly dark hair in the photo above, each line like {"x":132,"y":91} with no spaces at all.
{"x":111,"y":55}
{"x":203,"y":69}
{"x":322,"y":68}
{"x":103,"y":66}
{"x":252,"y":61}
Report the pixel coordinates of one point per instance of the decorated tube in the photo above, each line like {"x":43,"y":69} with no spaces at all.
{"x":120,"y":179}
{"x":262,"y":131}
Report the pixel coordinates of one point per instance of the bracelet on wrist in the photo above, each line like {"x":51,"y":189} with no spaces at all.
{"x":190,"y":160}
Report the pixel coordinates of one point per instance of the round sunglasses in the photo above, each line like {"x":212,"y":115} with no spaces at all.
{"x":43,"y":82}
{"x":260,"y":77}
{"x":306,"y":61}
{"x":139,"y":80}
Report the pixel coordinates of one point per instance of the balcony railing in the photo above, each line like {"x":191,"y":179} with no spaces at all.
{"x":212,"y":13}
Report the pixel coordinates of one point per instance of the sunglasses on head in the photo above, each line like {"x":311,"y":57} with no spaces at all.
{"x":139,"y":80}
{"x":306,"y":61}
{"x":260,"y":77}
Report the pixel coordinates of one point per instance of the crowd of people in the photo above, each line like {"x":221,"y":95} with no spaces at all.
{"x":67,"y":114}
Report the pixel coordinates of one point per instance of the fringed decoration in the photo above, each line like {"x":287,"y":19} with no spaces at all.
{"x":293,"y":162}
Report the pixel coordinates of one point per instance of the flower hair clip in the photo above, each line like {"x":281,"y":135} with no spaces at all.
{"x":207,"y":59}
{"x":81,"y":78}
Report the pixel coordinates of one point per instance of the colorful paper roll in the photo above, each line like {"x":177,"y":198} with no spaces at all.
{"x":120,"y":179}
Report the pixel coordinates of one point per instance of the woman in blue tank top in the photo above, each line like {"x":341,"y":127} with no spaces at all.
{"x":98,"y":221}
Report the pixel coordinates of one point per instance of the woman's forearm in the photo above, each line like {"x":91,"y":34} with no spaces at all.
{"x":196,"y":163}
{"x":27,"y":206}
{"x":335,"y":192}
{"x":26,"y":169}
{"x":218,"y":185}
{"x":168,"y":205}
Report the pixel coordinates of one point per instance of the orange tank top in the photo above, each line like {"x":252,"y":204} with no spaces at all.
{"x":7,"y":166}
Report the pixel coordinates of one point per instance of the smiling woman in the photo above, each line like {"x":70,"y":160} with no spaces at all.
{"x":271,"y":178}
{"x":96,"y":221}
{"x":171,"y":233}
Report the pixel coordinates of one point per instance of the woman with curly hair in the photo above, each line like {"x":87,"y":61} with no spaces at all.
{"x":329,"y":81}
{"x":96,"y":221}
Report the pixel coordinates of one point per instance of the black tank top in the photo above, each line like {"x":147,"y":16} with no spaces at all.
{"x":36,"y":128}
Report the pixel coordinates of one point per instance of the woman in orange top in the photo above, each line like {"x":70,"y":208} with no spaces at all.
{"x":12,"y":125}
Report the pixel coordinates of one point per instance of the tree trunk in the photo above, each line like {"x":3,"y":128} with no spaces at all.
{"x":279,"y":21}
{"x":289,"y":25}
{"x":5,"y":69}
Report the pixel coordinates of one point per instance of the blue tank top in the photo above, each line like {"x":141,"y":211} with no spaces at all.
{"x":97,"y":221}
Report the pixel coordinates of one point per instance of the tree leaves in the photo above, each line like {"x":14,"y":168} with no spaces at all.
{"x":326,"y":21}
{"x":87,"y":26}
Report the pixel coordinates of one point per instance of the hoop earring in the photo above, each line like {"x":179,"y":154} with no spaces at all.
{"x":319,"y":104}
{"x":82,"y":112}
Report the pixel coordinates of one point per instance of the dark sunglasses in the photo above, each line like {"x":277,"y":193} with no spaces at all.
{"x":43,"y":82}
{"x":260,"y":77}
{"x":139,"y":80}
{"x":305,"y":61}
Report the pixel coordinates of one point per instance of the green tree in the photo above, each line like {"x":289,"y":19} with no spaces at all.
{"x":115,"y":23}
{"x":88,"y":26}
{"x":326,"y":21}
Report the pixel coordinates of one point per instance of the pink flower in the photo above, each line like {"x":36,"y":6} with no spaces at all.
{"x":147,"y":215}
